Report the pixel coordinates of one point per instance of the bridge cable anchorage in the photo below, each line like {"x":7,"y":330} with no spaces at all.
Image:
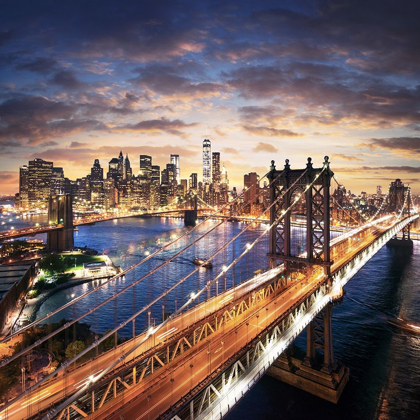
{"x":76,"y":299}
{"x":193,"y":296}
{"x":97,"y":342}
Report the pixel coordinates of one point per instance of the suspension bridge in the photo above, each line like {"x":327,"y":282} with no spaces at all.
{"x":220,"y":332}
{"x":57,"y":225}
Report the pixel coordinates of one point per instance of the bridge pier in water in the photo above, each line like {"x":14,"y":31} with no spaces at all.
{"x":60,"y":212}
{"x":325,"y":379}
{"x":398,"y":195}
{"x":190,"y":216}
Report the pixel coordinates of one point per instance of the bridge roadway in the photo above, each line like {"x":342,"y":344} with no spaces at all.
{"x":149,"y":400}
{"x":53,"y":390}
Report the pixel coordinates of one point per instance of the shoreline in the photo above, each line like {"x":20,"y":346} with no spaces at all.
{"x":33,"y":305}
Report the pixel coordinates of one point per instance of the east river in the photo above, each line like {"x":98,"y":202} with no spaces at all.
{"x":384,"y":362}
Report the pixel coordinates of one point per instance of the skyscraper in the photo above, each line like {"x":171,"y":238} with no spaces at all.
{"x":96,"y":172}
{"x":145,"y":166}
{"x":121,"y":166}
{"x":175,"y":161}
{"x":23,"y":187}
{"x":193,"y":181}
{"x":113,"y":169}
{"x":206,"y":161}
{"x":39,"y":182}
{"x":215,"y":169}
{"x":128,"y":172}
{"x":251,"y":187}
{"x":97,"y":184}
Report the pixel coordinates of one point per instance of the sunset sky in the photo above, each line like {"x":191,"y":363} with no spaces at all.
{"x":84,"y":79}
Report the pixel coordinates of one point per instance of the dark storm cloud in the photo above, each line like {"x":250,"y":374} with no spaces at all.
{"x":67,"y":80}
{"x":36,"y":119}
{"x":345,"y":95}
{"x":42,"y":65}
{"x":175,"y":80}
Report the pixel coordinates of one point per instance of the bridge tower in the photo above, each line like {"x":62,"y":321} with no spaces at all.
{"x":190,"y":216}
{"x":399,"y":201}
{"x":60,"y":213}
{"x":312,"y":185}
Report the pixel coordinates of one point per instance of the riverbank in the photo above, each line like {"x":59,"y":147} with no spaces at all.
{"x":28,"y":314}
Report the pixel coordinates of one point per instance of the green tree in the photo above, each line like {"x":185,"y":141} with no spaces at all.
{"x":57,"y":348}
{"x":52,"y":264}
{"x":74,"y":348}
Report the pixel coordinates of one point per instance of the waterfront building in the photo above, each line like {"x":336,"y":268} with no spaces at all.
{"x":206,"y":161}
{"x":23,"y":187}
{"x":39,"y":182}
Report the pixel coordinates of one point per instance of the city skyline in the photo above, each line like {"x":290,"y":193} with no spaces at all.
{"x":268,"y":81}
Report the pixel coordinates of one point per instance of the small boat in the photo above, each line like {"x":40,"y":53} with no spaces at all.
{"x":203,"y":263}
{"x":76,"y":228}
{"x":404,"y":325}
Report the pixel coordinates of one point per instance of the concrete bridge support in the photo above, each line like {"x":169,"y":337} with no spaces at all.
{"x":190,"y":216}
{"x":323,"y":377}
{"x":60,"y":213}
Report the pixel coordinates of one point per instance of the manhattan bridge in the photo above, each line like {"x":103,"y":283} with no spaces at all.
{"x":213,"y":342}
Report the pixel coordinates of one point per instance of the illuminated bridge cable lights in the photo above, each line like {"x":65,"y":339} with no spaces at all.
{"x":123,"y":324}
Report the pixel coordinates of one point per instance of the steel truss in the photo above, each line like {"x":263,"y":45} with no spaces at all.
{"x":315,"y":187}
{"x":279,"y":334}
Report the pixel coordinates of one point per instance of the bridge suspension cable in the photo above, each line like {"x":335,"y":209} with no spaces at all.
{"x":126,"y":271}
{"x":193,"y":296}
{"x":97,"y":342}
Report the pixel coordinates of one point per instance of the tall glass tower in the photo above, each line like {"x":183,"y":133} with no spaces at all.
{"x":175,"y":161}
{"x":206,"y":161}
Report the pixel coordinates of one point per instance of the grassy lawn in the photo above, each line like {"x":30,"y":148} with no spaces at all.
{"x":80,"y":260}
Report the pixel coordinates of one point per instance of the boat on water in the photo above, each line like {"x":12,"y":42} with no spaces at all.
{"x":203,"y":263}
{"x":404,"y":325}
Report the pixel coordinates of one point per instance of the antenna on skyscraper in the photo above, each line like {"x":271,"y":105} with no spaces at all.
{"x":206,"y":130}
